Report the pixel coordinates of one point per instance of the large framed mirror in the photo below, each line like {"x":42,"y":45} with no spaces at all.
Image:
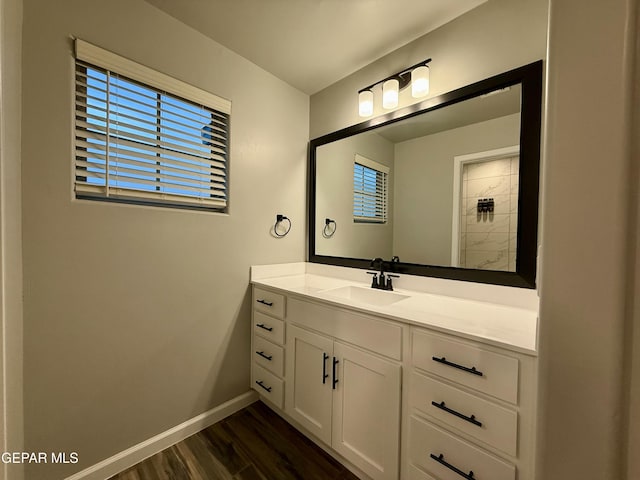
{"x":447,"y":187}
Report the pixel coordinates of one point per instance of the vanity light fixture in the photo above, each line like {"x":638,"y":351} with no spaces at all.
{"x":417,"y":75}
{"x":420,"y":81}
{"x":365,"y":103}
{"x":390,"y":93}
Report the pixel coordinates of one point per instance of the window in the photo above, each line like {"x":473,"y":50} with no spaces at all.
{"x":143,"y":137}
{"x":369,"y":191}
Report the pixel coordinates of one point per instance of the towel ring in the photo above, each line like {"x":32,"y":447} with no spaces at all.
{"x":327,"y":231}
{"x":279,"y":219}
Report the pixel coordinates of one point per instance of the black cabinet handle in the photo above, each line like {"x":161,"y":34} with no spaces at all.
{"x":264,"y":302}
{"x":471,"y":419}
{"x":335,"y":378}
{"x":440,"y":459}
{"x":444,"y":361}
{"x":262,"y":354}
{"x":325,"y":375}
{"x":259,"y":382}
{"x":262,"y":326}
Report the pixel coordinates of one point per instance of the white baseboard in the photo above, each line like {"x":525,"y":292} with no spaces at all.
{"x":143,"y":450}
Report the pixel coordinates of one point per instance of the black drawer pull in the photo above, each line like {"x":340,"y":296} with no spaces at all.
{"x":262,"y":326}
{"x":471,"y":419}
{"x":259,"y":382}
{"x":440,"y":459}
{"x":264,"y":302}
{"x":325,"y":375}
{"x":262,"y":354}
{"x":455,"y":365}
{"x":335,"y":374}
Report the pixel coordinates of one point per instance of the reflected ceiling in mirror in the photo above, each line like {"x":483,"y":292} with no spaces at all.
{"x":449,"y":186}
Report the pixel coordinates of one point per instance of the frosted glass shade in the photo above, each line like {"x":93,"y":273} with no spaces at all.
{"x":420,"y":81}
{"x":390,"y":93}
{"x":365,"y":103}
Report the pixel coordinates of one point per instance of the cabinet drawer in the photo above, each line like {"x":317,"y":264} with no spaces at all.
{"x":268,"y":355}
{"x":475,"y":367}
{"x":268,"y":327}
{"x":491,"y":423}
{"x":268,"y":302}
{"x":268,"y":385}
{"x":414,"y":473}
{"x":439,"y":453}
{"x":376,"y":335}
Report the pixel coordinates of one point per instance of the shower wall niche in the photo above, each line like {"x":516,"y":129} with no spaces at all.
{"x":489,"y":214}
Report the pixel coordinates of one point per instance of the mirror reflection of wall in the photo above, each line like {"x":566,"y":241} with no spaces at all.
{"x":420,"y":153}
{"x":335,"y":198}
{"x":424,"y":203}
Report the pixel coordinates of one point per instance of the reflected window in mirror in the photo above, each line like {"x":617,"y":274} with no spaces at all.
{"x":369,"y":191}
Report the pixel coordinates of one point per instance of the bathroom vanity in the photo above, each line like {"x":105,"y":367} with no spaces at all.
{"x":435,"y":380}
{"x":428,"y":382}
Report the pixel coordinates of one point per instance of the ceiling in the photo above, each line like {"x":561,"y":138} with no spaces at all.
{"x":312,"y":44}
{"x":496,"y":104}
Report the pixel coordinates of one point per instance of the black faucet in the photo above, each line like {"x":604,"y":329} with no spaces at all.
{"x":379,"y":264}
{"x":379,"y":280}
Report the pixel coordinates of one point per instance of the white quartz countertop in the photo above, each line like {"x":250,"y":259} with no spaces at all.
{"x":505,"y":326}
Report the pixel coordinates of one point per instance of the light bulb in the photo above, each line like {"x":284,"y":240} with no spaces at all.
{"x":420,"y":81}
{"x":365,"y":103}
{"x":390,"y":93}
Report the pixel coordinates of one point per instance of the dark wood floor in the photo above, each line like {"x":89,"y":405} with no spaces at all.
{"x":252,"y":444}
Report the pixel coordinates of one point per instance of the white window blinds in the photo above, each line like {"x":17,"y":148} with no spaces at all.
{"x":369,"y":190}
{"x":144,"y":137}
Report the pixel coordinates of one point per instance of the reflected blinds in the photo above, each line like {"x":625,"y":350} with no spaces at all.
{"x":139,"y":137}
{"x":369,"y":191}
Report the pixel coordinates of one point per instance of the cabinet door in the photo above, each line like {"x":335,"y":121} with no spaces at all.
{"x":309,"y":380}
{"x":366,"y":411}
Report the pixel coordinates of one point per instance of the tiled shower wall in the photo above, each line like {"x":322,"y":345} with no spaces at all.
{"x":488,"y":239}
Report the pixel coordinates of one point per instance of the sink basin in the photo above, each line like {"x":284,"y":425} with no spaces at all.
{"x":368,"y":296}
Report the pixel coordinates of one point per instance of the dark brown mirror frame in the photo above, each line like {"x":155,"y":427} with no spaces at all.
{"x":530,"y":77}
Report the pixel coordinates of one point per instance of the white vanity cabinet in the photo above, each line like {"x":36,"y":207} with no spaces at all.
{"x":470,"y":410}
{"x":395,"y":392}
{"x":343,"y":394}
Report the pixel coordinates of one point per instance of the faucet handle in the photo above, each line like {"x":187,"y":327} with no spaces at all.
{"x":389,"y":284}
{"x":374,"y":280}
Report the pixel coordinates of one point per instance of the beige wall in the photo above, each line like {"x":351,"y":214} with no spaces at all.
{"x":584,"y":239}
{"x":472,"y":47}
{"x":11,"y":417}
{"x":632,"y":419}
{"x":334,"y":199}
{"x":424,"y":186}
{"x":138,"y":318}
